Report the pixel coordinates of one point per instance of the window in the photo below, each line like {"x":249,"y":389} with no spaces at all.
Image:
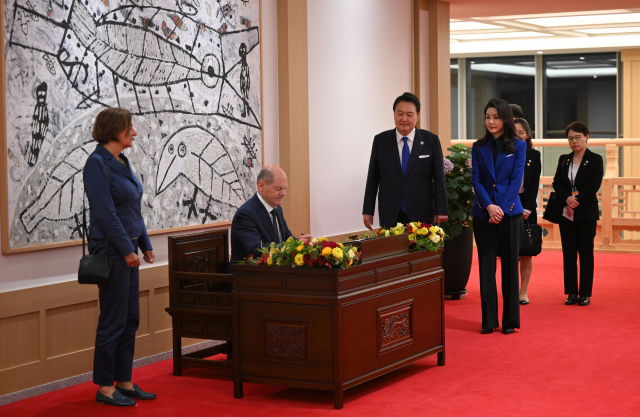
{"x":454,"y":99}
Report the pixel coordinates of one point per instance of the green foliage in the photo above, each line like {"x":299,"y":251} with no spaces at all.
{"x":459,"y":190}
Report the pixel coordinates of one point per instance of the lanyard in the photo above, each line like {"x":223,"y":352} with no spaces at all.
{"x":574,"y":191}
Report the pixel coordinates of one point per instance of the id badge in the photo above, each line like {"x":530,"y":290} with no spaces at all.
{"x":574,"y":193}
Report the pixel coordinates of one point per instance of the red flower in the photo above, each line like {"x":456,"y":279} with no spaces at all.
{"x":248,"y":258}
{"x":412,"y":245}
{"x":330,"y":244}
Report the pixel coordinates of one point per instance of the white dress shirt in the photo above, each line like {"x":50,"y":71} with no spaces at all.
{"x":269,"y":210}
{"x":399,"y":137}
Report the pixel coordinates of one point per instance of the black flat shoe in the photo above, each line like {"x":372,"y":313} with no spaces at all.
{"x":524,"y":302}
{"x":584,"y":301}
{"x":137,"y":393}
{"x":118,"y":399}
{"x":508,"y":330}
{"x":486,"y":331}
{"x":571,"y":300}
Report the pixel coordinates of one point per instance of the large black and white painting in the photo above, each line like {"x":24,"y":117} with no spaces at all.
{"x":188,"y":70}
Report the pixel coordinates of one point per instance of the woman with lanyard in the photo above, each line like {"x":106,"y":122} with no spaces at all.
{"x":576,"y":183}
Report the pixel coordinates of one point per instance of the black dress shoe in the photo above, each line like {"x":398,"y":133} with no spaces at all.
{"x":137,"y":393}
{"x":508,"y":330}
{"x":584,"y":301}
{"x":486,"y":331}
{"x":571,"y":300}
{"x":118,"y":399}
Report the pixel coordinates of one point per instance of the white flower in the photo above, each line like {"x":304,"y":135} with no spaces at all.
{"x":351,"y":254}
{"x":435,"y":238}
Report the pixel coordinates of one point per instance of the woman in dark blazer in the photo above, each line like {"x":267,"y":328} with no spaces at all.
{"x":114,"y":195}
{"x":528,"y":197}
{"x":497,"y":166}
{"x":576,"y":183}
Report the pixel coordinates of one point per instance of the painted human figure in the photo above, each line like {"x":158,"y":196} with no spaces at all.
{"x":39,"y":125}
{"x":245,"y":80}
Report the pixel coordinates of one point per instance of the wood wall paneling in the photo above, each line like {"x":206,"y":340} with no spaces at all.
{"x":23,"y":327}
{"x":439,"y":71}
{"x":631,"y":122}
{"x":71,"y":328}
{"x":293,"y":97}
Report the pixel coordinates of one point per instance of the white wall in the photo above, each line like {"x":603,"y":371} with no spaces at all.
{"x":32,"y":269}
{"x":359,"y":62}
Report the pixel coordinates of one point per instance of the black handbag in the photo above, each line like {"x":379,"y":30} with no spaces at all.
{"x":531,"y":241}
{"x":94,"y":269}
{"x":552,"y":211}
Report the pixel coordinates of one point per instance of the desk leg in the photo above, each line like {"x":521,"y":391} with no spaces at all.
{"x":237,"y":389}
{"x":441,"y":360}
{"x":177,"y":348}
{"x":338,"y":399}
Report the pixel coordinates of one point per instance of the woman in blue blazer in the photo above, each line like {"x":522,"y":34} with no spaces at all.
{"x":114,"y":195}
{"x":497,"y":167}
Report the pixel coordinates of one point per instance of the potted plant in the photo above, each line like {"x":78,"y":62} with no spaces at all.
{"x":458,"y":248}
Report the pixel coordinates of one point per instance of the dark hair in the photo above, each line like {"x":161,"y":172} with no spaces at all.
{"x":520,"y":121}
{"x":577,"y":127}
{"x":110,"y":123}
{"x":266,"y":175}
{"x":517,"y":111}
{"x":509,"y":128}
{"x":408,"y":98}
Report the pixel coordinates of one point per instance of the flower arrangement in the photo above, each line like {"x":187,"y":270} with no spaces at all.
{"x":425,"y":237}
{"x":457,"y":169}
{"x":397,"y":230}
{"x":317,"y":253}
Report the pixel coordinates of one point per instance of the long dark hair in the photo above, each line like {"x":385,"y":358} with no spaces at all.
{"x":525,"y":125}
{"x":509,"y":129}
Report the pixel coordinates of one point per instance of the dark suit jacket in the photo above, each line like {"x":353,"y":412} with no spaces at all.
{"x":423,"y":188}
{"x":114,"y":203}
{"x":252,"y":228}
{"x":531,"y":183}
{"x":587,"y":182}
{"x":498,"y":185}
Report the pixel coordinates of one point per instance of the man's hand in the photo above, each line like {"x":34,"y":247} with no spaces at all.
{"x":367,"y":219}
{"x":526,"y":214}
{"x":572,"y":202}
{"x":495,"y":213}
{"x":149,"y":256}
{"x":306,"y":238}
{"x":439,"y":218}
{"x":132,"y":260}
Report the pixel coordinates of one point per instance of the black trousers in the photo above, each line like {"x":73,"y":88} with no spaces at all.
{"x":118,"y":323}
{"x":488,"y":236}
{"x":402,"y":218}
{"x":577,"y":238}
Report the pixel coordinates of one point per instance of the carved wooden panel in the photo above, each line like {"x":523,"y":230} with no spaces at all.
{"x":394,"y":326}
{"x":285,"y":340}
{"x":201,"y":262}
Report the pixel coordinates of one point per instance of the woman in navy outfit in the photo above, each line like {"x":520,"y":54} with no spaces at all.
{"x":114,"y":195}
{"x":497,"y":167}
{"x":528,"y":197}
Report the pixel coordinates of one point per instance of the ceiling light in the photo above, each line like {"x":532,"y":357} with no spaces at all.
{"x":504,"y":69}
{"x":499,"y":35}
{"x":595,"y":76}
{"x":471,"y":26}
{"x":583,"y":20}
{"x":581,"y":57}
{"x":473,"y":62}
{"x":540,"y":52}
{"x":601,"y":31}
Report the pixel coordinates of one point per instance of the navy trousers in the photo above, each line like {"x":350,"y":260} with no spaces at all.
{"x":118,"y":322}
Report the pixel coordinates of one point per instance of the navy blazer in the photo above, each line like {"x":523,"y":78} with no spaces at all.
{"x":531,"y":182}
{"x":252,"y":228}
{"x":114,"y":203}
{"x":498,"y":185}
{"x":423,"y":188}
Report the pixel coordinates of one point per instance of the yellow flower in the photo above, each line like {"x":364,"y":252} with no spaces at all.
{"x":270,"y":261}
{"x":433,"y":229}
{"x":337,"y":253}
{"x":398,"y":225}
{"x":290,"y":239}
{"x":414,"y":225}
{"x":340,"y":245}
{"x":314,"y":240}
{"x":422,"y":231}
{"x":326,"y":251}
{"x":299,"y":259}
{"x":386,"y":233}
{"x":350,"y":262}
{"x":441,"y":232}
{"x":351,"y":254}
{"x":299,"y":248}
{"x":412,"y":236}
{"x":322,"y":239}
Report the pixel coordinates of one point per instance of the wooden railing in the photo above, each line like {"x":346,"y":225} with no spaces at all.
{"x":619,"y":200}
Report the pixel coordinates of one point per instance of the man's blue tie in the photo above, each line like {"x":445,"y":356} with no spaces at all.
{"x":405,"y":162}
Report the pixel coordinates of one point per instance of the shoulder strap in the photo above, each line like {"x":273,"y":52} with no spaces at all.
{"x":85,"y":231}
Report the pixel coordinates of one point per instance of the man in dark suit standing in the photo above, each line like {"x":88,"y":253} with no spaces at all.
{"x":406,"y":172}
{"x":260,"y":220}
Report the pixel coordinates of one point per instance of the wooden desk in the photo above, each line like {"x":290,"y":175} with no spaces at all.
{"x":334,"y":329}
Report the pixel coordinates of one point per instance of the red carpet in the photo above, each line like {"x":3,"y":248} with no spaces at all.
{"x":565,"y":361}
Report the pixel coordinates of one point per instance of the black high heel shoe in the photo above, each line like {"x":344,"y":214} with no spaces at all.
{"x":486,"y":331}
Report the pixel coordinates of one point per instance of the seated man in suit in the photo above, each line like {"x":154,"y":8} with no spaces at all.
{"x":406,"y":172}
{"x":260,"y":220}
